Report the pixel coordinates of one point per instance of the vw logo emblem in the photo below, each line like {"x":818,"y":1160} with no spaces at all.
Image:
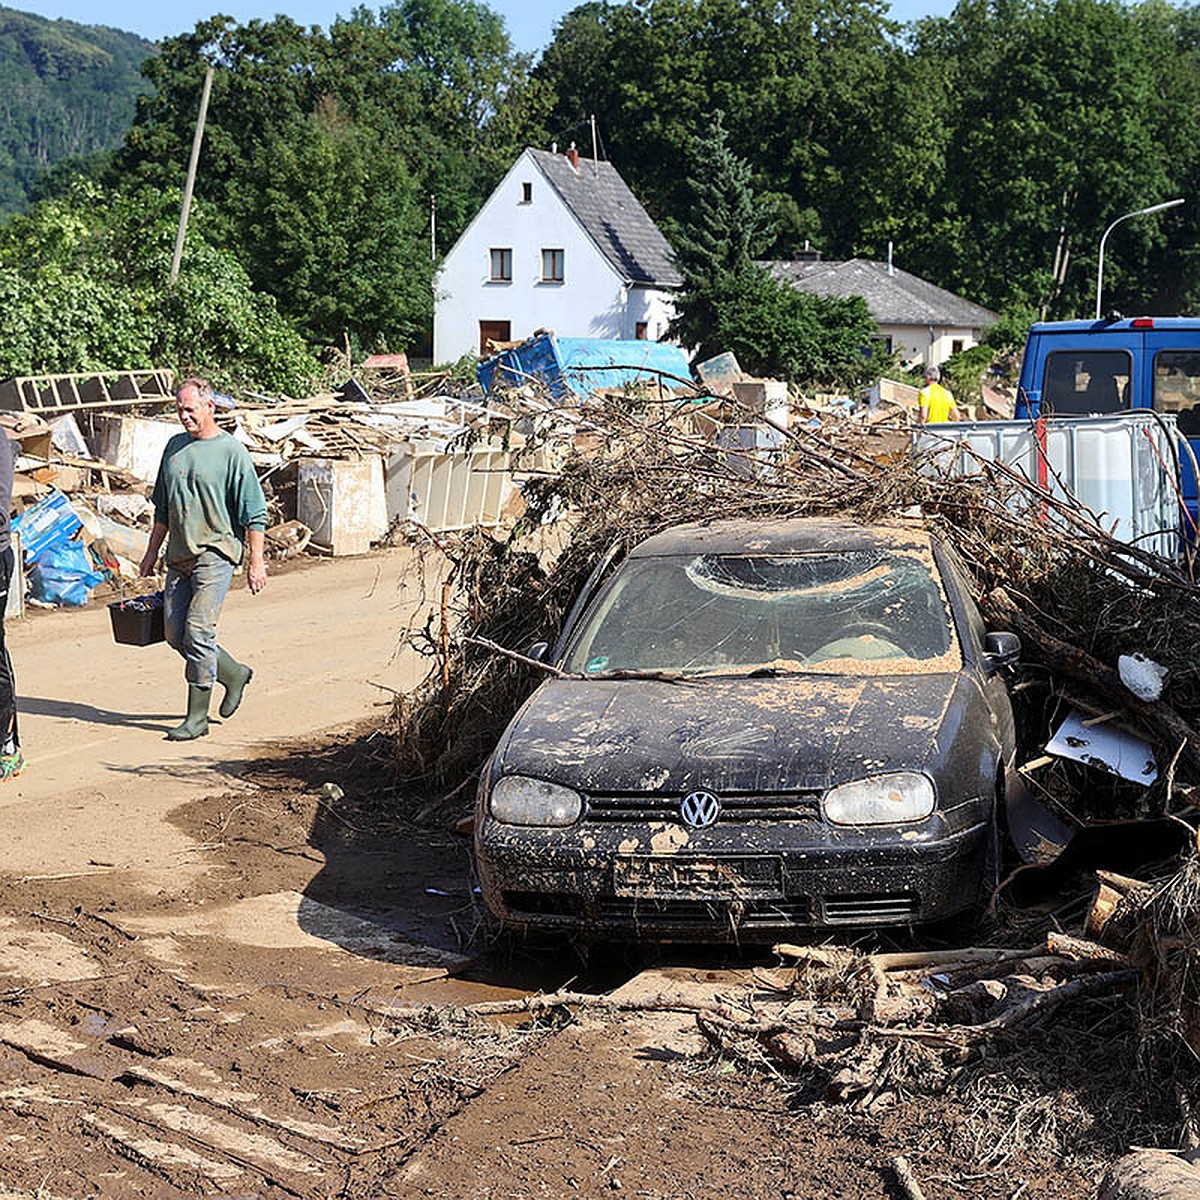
{"x":699,"y":809}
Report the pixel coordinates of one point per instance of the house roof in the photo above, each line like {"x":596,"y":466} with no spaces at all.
{"x":894,"y":297}
{"x":612,"y":217}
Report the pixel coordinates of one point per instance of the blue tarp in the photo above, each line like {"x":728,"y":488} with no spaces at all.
{"x":580,"y":366}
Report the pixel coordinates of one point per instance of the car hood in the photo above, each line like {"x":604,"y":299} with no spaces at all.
{"x":732,"y":735}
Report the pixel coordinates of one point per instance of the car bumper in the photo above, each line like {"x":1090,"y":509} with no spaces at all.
{"x":740,"y":884}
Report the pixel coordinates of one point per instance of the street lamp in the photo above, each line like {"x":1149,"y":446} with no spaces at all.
{"x":1141,"y":212}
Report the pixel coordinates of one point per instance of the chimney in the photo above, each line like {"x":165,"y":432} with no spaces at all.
{"x":573,"y":156}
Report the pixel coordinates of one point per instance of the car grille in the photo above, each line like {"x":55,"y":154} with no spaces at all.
{"x":896,"y":908}
{"x":715,"y":913}
{"x":640,"y":806}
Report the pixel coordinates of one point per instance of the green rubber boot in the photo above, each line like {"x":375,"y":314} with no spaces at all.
{"x":233,"y":677}
{"x":196,"y":723}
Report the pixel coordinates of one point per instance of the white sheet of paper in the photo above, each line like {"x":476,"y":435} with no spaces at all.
{"x":1113,"y":750}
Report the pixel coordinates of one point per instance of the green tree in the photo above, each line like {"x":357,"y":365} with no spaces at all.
{"x":83,"y":288}
{"x":338,"y":232}
{"x":780,"y":333}
{"x":1052,"y":133}
{"x":729,"y":302}
{"x":324,"y":151}
{"x":726,"y":231}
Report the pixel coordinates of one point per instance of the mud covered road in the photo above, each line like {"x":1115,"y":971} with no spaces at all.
{"x":234,"y":968}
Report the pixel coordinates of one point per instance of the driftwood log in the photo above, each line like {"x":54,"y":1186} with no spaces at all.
{"x":1150,"y":1175}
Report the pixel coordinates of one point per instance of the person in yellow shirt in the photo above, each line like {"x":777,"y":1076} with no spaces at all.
{"x":935,"y":402}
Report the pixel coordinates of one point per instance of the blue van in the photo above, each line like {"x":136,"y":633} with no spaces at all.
{"x":1074,"y":368}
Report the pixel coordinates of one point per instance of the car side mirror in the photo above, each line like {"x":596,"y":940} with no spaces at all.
{"x":1001,"y":650}
{"x":538,"y":651}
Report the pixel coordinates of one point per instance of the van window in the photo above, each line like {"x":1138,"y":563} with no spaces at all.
{"x":1078,"y":382}
{"x":1177,"y":387}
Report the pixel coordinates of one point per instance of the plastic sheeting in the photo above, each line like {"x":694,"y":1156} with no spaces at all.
{"x":577,"y":367}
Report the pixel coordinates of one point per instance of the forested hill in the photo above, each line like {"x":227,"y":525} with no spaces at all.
{"x":66,"y":90}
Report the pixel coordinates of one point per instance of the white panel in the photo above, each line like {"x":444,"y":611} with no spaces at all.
{"x":1114,"y":465}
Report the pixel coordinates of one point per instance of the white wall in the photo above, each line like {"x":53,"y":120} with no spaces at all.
{"x":589,"y":303}
{"x":931,"y":344}
{"x":654,"y":307}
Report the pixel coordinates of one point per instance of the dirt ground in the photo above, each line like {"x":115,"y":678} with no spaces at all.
{"x":240,"y":967}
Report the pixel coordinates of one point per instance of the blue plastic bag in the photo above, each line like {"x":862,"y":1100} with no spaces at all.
{"x":62,"y":574}
{"x":49,"y":521}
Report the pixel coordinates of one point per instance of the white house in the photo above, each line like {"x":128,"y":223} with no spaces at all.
{"x":920,"y":321}
{"x":561,"y":244}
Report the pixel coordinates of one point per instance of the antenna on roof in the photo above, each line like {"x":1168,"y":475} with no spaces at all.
{"x":595,"y":156}
{"x":891,"y":269}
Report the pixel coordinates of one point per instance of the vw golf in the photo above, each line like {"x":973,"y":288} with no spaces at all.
{"x":759,"y":726}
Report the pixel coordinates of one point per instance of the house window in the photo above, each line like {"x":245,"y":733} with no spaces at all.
{"x":501,"y":265}
{"x":641,"y":331}
{"x":552,"y":266}
{"x":956,"y":346}
{"x":492,"y":334}
{"x":527,"y":193}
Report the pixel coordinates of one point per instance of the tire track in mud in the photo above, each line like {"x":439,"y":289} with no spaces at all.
{"x":138,"y":1081}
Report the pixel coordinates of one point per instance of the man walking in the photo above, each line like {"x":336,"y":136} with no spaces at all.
{"x":210,"y":509}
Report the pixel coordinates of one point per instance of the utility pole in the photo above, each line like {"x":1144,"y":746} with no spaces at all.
{"x":188,"y":186}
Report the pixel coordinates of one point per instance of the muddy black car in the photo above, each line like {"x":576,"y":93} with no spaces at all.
{"x":762,"y":726}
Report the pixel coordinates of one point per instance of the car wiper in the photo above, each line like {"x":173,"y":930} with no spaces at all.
{"x":634,"y":673}
{"x":763,"y":671}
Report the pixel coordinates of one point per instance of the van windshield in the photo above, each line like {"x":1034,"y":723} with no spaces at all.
{"x":1078,"y":382}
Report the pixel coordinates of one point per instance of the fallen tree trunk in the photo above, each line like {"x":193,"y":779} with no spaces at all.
{"x":1150,"y":1175}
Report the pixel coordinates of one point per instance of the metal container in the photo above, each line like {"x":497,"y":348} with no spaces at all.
{"x":1122,"y":467}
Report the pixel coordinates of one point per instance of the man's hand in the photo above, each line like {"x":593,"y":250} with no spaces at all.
{"x":256,"y":565}
{"x":256,"y":577}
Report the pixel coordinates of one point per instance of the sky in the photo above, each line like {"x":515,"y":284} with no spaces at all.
{"x":530,"y":23}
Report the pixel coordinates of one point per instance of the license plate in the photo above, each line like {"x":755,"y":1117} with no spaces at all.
{"x":698,"y":878}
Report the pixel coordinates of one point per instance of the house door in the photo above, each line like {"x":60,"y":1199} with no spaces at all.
{"x":493,"y":331}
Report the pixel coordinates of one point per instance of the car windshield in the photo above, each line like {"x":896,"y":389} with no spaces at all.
{"x":861,"y":612}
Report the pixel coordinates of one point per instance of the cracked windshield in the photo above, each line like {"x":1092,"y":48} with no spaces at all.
{"x":846,"y":613}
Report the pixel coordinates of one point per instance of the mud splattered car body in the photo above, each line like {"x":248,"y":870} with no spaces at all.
{"x":761,"y":726}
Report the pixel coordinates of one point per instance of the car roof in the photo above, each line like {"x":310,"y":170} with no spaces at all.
{"x":791,"y":535}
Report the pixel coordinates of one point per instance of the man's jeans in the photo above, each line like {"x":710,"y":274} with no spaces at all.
{"x":191,"y":605}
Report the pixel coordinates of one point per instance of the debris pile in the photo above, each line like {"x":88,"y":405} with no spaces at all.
{"x":1109,"y":631}
{"x":1043,"y":564}
{"x":342,"y":472}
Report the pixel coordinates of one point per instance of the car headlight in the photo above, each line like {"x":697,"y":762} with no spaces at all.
{"x":519,"y":800}
{"x":882,"y":800}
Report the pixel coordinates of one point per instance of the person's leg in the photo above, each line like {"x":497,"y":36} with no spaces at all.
{"x":196,"y":631}
{"x":211,"y":576}
{"x":177,"y":597}
{"x":12,"y":761}
{"x":233,"y":677}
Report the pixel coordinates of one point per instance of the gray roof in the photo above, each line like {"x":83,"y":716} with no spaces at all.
{"x":612,"y":217}
{"x":894,"y":296}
